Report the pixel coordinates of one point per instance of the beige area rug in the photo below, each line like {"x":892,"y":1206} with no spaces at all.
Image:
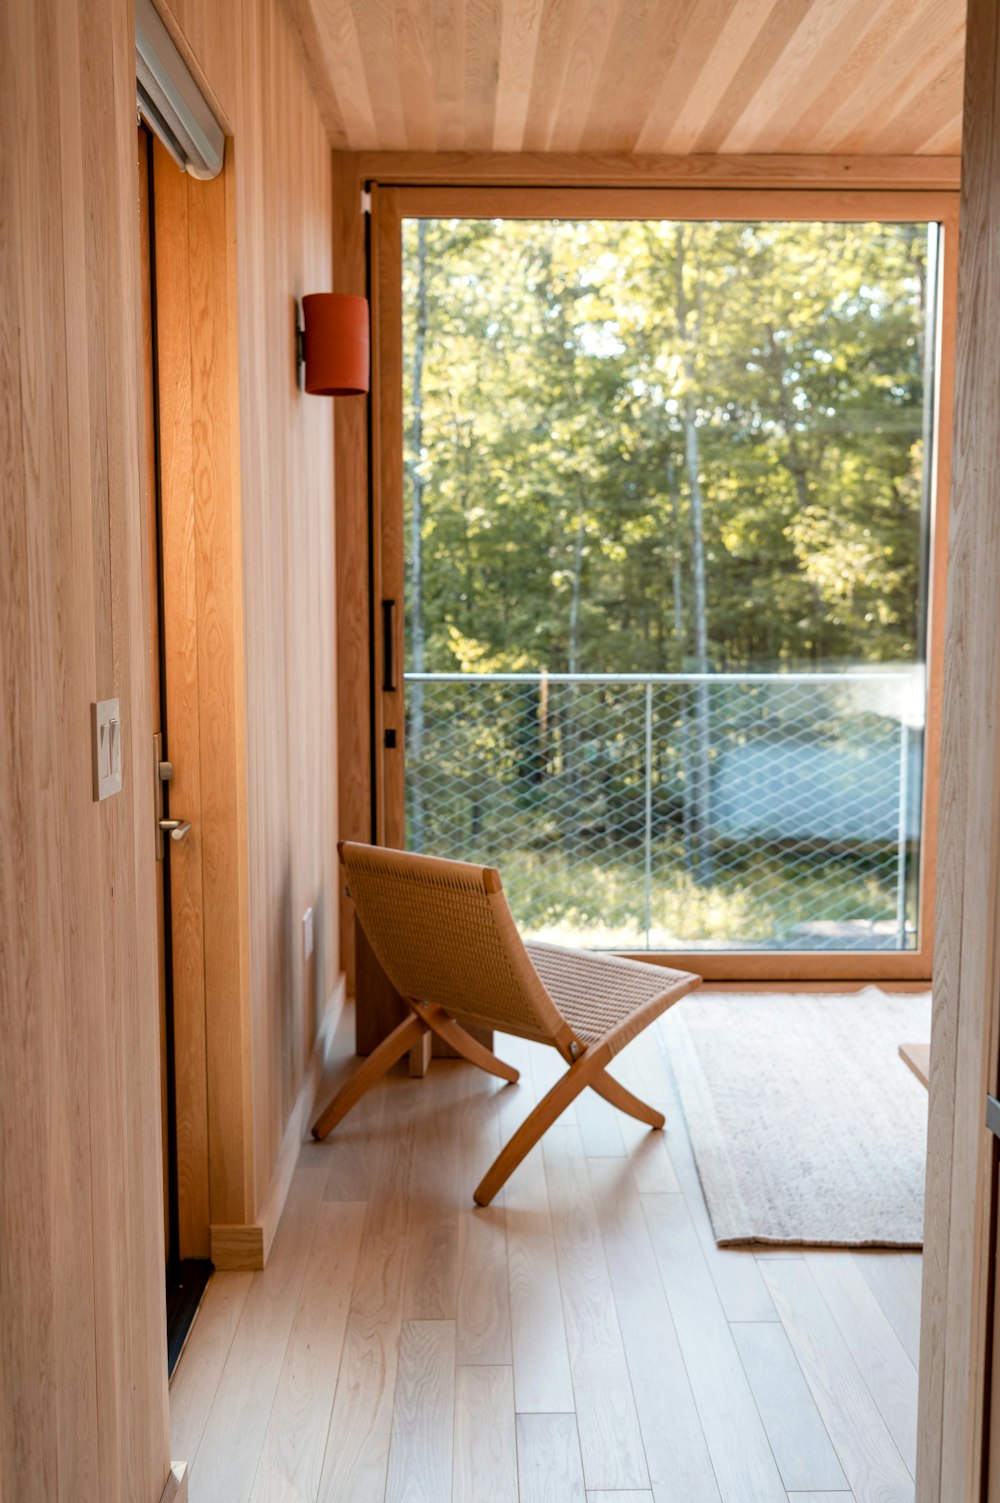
{"x":807,"y":1127}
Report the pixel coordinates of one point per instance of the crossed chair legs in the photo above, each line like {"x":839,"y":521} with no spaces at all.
{"x":588,"y":1068}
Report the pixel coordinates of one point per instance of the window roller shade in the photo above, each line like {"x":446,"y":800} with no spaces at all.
{"x":170,"y":101}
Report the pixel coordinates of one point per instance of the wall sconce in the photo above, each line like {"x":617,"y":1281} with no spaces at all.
{"x":332,"y":344}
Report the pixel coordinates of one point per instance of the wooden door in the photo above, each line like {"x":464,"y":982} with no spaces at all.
{"x":173,"y":750}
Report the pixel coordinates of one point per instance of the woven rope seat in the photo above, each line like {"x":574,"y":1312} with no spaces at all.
{"x":445,"y":937}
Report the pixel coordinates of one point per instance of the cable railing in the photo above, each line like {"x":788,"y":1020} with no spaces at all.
{"x":679,"y":811}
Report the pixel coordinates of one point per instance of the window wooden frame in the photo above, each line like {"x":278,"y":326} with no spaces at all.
{"x":366,"y":785}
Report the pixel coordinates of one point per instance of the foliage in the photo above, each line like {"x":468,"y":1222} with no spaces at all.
{"x":553,"y":397}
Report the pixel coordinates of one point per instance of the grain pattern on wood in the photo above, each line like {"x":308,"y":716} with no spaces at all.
{"x":701,"y":1432}
{"x":806,"y":1458}
{"x":223,"y":1467}
{"x":954,"y":1365}
{"x":549,"y":1469}
{"x":292,"y":1456}
{"x":279,"y":220}
{"x":725,"y":1403}
{"x":895,"y":1282}
{"x":485,"y":1465}
{"x":917,"y":1057}
{"x":865,"y":1449}
{"x":610,"y":1438}
{"x":482,"y":1317}
{"x":195,"y":1382}
{"x":680,"y":76}
{"x":82,"y":1345}
{"x":672,"y":1435}
{"x":542,"y":1382}
{"x":421,"y":1448}
{"x":361,"y":1423}
{"x":734,"y":1272}
{"x":881,"y":1359}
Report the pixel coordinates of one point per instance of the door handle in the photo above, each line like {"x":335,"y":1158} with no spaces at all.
{"x":388,"y":645}
{"x":177,"y":829}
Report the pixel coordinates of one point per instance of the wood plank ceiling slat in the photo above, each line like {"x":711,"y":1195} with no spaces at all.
{"x":863,"y":77}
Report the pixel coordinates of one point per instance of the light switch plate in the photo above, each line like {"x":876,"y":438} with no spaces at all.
{"x":106,"y":725}
{"x":307,"y":934}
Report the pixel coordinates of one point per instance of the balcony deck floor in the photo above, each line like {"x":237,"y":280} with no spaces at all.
{"x":582,"y":1340}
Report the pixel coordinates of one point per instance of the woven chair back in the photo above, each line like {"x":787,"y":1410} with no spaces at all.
{"x":442,"y":932}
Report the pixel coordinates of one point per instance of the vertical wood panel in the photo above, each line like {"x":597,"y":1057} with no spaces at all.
{"x":953,"y":1356}
{"x":82,"y":1342}
{"x":81,"y":1238}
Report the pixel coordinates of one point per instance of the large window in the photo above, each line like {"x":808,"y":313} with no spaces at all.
{"x":666,"y":500}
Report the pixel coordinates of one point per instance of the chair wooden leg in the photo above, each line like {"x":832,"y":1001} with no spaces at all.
{"x":612,"y":1090}
{"x":552,"y":1105}
{"x":408,"y":1033}
{"x":446,"y":1028}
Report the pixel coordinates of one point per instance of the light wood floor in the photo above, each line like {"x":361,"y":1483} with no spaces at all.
{"x":582,"y":1340}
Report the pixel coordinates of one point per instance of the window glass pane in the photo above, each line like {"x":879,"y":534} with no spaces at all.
{"x":665,"y":538}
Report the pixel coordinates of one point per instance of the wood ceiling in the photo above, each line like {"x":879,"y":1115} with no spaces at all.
{"x":870,"y":77}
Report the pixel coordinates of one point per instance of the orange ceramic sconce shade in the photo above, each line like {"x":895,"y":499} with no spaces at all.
{"x":336,"y":344}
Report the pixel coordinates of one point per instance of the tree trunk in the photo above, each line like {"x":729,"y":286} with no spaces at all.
{"x":701,"y":791}
{"x":415,"y":749}
{"x":680,"y":635}
{"x":571,"y":746}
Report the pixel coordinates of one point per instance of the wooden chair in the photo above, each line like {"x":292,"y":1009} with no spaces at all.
{"x":446,"y":938}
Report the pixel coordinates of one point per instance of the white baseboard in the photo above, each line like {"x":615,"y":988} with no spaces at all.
{"x":248,"y":1247}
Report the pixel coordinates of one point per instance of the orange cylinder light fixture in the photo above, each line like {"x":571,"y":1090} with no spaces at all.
{"x":336,"y":344}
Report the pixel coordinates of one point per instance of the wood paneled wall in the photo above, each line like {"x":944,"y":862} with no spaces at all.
{"x":247,"y":58}
{"x":959,"y":1245}
{"x":83,"y":1404}
{"x":82,"y":1341}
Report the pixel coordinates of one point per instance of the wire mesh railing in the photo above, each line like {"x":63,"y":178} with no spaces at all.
{"x":679,"y":811}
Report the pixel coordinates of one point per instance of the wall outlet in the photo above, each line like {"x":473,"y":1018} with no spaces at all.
{"x":308,"y":941}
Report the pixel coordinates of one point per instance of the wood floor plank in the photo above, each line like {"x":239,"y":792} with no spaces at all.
{"x":291,"y":1460}
{"x":803,"y":1450}
{"x":430,"y":1290}
{"x":423,"y":1415}
{"x":482,"y":1320}
{"x":196,"y":1378}
{"x":593,"y":1283}
{"x":610,"y":1439}
{"x":549,"y":1467}
{"x":226,"y":1460}
{"x":879,"y":1354}
{"x":735,"y":1273}
{"x":652,"y":1169}
{"x":539,"y":1347}
{"x":357,"y":1447}
{"x":821,"y":1498}
{"x":353,"y":1150}
{"x":629,"y":1497}
{"x":680,"y":1467}
{"x":485,"y":1466}
{"x":600,"y":1131}
{"x":744,"y":1464}
{"x":895,"y":1281}
{"x":872,"y":1464}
